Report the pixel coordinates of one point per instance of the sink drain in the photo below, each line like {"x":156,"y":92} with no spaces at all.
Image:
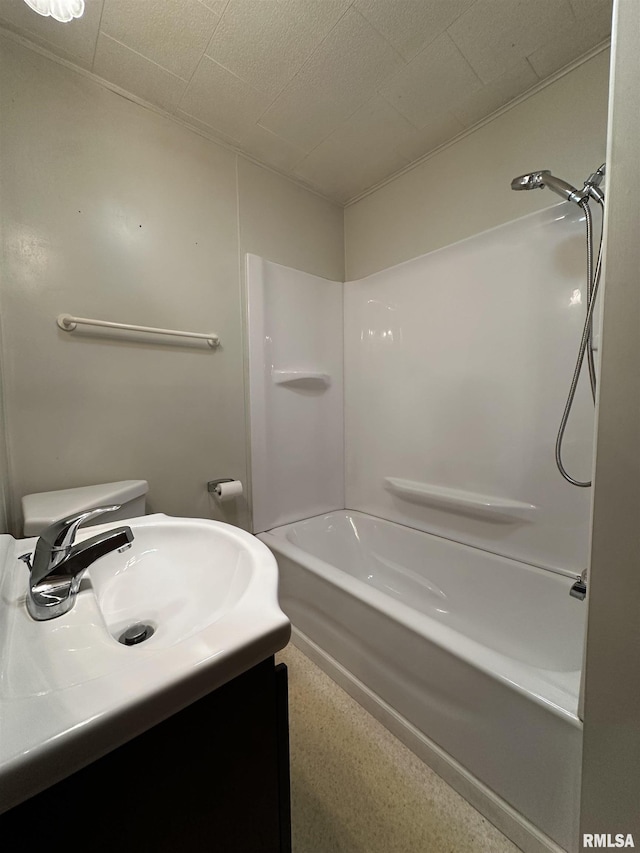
{"x":134,"y":634}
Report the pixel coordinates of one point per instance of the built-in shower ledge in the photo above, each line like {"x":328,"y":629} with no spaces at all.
{"x":491,"y":508}
{"x":301,"y":377}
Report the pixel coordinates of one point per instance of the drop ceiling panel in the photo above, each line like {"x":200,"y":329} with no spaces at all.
{"x":411,"y":25}
{"x":337,"y":94}
{"x":352,"y":62}
{"x":217,"y":6}
{"x":172,"y":33}
{"x":223,"y":101}
{"x":495,"y":34}
{"x":136,"y":74}
{"x":438,"y":131}
{"x":494,"y":95}
{"x":413,"y":93}
{"x":269,"y":148}
{"x":571,"y":42}
{"x":267,"y":43}
{"x":304,"y":114}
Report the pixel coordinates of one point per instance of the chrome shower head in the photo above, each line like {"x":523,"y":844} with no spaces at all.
{"x":528,"y":182}
{"x":544,"y":178}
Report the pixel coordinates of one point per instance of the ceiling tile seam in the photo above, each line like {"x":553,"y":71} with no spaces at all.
{"x":420,"y":52}
{"x":187,"y":80}
{"x":375,"y":95}
{"x":95,"y":46}
{"x":233,"y":74}
{"x":135,"y":99}
{"x":142,"y":56}
{"x":293,"y":77}
{"x":208,"y":8}
{"x":376,"y":30}
{"x":204,"y":52}
{"x":538,"y":87}
{"x":573,"y":11}
{"x":425,"y":44}
{"x":312,"y":54}
{"x":526,"y":59}
{"x":462,"y":54}
{"x":324,"y":138}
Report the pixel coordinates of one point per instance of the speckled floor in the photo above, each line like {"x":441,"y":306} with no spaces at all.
{"x":356,"y":789}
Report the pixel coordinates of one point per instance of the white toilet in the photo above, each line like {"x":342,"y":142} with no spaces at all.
{"x":42,"y":509}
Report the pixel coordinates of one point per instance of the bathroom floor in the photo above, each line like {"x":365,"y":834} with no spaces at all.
{"x":356,"y":789}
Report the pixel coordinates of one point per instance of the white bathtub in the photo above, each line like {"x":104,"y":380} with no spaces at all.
{"x":481,"y":654}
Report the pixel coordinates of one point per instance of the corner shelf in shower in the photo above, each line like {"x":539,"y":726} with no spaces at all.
{"x":499,"y":510}
{"x":301,"y":378}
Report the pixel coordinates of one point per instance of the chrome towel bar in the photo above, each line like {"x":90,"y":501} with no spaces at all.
{"x":68,"y":323}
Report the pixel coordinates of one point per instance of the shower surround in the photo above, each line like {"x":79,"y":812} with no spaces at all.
{"x":435,"y":587}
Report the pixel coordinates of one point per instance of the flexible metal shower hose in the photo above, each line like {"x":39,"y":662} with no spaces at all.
{"x":593,"y":280}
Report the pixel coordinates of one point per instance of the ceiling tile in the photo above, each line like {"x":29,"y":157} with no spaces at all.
{"x":265,"y":43}
{"x":363,"y":145}
{"x":217,"y":6}
{"x":495,"y":34}
{"x":342,"y":177}
{"x":351,"y":63}
{"x":582,"y":8}
{"x":270,"y":149}
{"x":338,"y":94}
{"x":140,"y":76}
{"x":433,"y":83}
{"x":572,"y":42}
{"x":436,"y":133}
{"x":303,"y":116}
{"x":494,"y":95}
{"x":221,"y":100}
{"x":75,"y":40}
{"x":409,"y":25}
{"x":173,"y":33}
{"x":374,"y":128}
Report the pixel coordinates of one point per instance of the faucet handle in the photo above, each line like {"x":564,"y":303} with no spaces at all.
{"x":61,"y":534}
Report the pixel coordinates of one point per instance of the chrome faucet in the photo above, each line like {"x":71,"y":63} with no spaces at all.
{"x":59,"y":563}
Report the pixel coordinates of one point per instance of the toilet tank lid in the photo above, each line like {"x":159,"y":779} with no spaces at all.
{"x":41,"y":509}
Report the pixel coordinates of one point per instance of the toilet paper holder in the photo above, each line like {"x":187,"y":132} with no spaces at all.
{"x":212,"y":485}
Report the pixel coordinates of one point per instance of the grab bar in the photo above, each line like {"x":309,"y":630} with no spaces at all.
{"x":68,"y":323}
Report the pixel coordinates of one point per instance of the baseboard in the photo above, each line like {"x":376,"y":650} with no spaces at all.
{"x":505,"y":818}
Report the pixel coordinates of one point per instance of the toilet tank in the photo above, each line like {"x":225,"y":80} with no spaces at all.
{"x":42,"y":509}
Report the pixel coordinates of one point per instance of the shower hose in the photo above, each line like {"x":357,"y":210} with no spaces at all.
{"x":593,"y":281}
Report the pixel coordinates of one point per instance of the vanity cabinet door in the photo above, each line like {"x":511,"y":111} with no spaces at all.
{"x":213,"y":777}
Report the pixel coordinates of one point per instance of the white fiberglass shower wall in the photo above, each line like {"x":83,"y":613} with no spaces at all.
{"x":457,"y":367}
{"x":296,"y":394}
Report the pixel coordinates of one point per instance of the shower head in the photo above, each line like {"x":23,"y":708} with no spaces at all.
{"x":544,"y":178}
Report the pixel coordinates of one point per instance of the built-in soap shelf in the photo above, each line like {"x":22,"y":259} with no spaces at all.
{"x":500,"y":510}
{"x":301,"y":378}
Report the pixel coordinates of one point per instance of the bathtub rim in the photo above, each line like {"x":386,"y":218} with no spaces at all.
{"x":555,"y":699}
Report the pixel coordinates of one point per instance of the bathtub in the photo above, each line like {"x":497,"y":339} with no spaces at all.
{"x":477,"y":655}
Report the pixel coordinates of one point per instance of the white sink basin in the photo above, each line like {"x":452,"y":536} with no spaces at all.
{"x":70,"y":691}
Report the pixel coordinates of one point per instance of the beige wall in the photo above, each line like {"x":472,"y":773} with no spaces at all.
{"x":113,"y":211}
{"x":611,"y":757}
{"x":4,"y":467}
{"x":465,"y":188}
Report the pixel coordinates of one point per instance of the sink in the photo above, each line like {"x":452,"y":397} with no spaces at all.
{"x":180,"y":577}
{"x":70,"y":691}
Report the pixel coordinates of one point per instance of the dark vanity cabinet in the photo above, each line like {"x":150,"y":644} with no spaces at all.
{"x":213,"y":777}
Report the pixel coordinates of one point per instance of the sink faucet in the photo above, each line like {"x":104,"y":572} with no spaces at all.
{"x":59,"y":563}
